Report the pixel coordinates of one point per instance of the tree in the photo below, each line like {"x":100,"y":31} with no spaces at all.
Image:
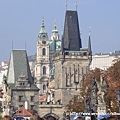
{"x":113,"y":81}
{"x":77,"y":105}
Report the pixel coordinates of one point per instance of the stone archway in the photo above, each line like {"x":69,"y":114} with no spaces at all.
{"x":51,"y":116}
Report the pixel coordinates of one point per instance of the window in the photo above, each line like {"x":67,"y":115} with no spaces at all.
{"x":43,"y":51}
{"x":44,"y":70}
{"x":32,"y":107}
{"x":32,"y":98}
{"x":20,"y":98}
{"x":22,"y":84}
{"x":44,"y":87}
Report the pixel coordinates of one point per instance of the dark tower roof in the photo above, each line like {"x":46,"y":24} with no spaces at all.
{"x":71,"y":34}
{"x":18,"y":65}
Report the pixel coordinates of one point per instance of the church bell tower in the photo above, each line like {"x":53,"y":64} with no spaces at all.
{"x":42,"y":60}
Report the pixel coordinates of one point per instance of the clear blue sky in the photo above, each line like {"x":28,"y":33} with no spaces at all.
{"x":20,"y":22}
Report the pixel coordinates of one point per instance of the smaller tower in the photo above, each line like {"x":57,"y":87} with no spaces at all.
{"x":55,"y":34}
{"x":89,"y":48}
{"x":42,"y":60}
{"x":89,"y":44}
{"x":55,"y":44}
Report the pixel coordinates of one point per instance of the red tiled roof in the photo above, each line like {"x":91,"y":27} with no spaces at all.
{"x":43,"y":98}
{"x":23,"y":112}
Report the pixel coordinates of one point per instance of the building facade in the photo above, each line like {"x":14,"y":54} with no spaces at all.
{"x":18,"y":87}
{"x":64,"y":61}
{"x":104,"y":60}
{"x":71,"y":63}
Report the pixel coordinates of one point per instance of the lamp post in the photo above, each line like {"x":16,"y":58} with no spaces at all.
{"x":118,"y":98}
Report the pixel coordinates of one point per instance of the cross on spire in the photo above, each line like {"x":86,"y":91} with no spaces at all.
{"x":66,"y":4}
{"x":89,"y":30}
{"x":76,"y":4}
{"x":42,"y":18}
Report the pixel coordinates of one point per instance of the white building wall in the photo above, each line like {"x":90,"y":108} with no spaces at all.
{"x":102,"y":61}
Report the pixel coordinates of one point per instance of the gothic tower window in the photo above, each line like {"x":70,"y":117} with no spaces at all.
{"x":44,"y":87}
{"x":43,"y":51}
{"x":44,"y":70}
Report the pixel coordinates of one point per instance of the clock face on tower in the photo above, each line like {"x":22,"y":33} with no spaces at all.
{"x":44,"y":42}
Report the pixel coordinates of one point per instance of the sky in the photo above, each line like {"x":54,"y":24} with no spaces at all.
{"x":20,"y":23}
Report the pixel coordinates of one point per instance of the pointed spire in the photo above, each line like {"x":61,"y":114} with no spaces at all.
{"x":42,"y":33}
{"x":42,"y":30}
{"x":71,"y":34}
{"x":55,"y":34}
{"x":55,"y":28}
{"x":89,"y":42}
{"x":62,"y":44}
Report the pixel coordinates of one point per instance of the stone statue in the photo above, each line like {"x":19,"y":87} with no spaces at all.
{"x":4,"y":84}
{"x":8,"y":95}
{"x":86,"y":102}
{"x":102,"y":86}
{"x":50,"y":97}
{"x":101,"y":96}
{"x":93,"y":102}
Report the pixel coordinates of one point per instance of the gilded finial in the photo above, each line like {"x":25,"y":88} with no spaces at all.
{"x":42,"y":21}
{"x":66,"y":4}
{"x":76,"y":4}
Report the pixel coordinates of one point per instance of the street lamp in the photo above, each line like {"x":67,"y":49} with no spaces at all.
{"x":118,"y":98}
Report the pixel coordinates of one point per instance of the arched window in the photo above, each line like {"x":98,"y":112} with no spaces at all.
{"x":43,"y":51}
{"x":44,"y":87}
{"x":44,"y":70}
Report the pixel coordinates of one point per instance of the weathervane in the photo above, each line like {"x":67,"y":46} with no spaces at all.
{"x":76,"y":4}
{"x":66,"y":4}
